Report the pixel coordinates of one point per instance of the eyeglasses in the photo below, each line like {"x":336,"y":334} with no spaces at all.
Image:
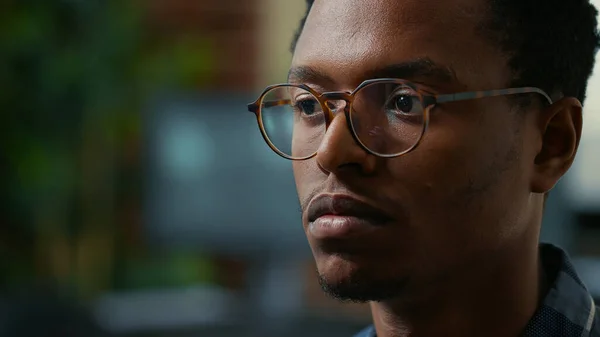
{"x":386,"y":117}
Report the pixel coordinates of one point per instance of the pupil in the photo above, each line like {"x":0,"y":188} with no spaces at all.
{"x":404,"y":103}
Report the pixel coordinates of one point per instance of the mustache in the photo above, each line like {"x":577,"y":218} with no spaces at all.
{"x":304,"y":203}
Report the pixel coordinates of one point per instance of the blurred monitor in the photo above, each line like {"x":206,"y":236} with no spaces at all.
{"x":213,"y":183}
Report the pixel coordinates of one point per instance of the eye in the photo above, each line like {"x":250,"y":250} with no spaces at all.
{"x":306,"y":105}
{"x":404,"y":101}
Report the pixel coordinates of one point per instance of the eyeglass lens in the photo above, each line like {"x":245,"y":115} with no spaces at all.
{"x":386,"y":117}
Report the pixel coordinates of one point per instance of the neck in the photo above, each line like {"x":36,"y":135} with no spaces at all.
{"x":496,"y":299}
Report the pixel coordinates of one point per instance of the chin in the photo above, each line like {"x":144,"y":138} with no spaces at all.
{"x":351,"y":279}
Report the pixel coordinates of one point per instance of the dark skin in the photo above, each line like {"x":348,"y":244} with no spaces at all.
{"x":460,"y":257}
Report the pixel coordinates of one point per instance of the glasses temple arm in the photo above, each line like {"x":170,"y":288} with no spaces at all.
{"x":463,"y":96}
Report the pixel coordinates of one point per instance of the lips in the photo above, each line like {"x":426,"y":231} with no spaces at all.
{"x":343,"y":205}
{"x":340,"y":216}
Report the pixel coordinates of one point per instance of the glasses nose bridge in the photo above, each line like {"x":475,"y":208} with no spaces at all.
{"x":329,"y":97}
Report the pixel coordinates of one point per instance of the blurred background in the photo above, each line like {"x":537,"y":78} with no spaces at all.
{"x":139,"y":197}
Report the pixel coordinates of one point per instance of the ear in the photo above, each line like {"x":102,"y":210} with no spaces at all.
{"x":560,"y":129}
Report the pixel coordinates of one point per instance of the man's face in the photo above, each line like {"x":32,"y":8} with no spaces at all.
{"x":461,"y":196}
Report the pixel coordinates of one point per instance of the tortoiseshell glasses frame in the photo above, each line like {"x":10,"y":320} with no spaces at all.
{"x":427,"y":102}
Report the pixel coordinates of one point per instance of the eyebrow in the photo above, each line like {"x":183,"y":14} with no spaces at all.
{"x":308,"y":74}
{"x":410,"y":70}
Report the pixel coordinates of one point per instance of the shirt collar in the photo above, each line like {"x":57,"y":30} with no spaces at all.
{"x":568,"y":308}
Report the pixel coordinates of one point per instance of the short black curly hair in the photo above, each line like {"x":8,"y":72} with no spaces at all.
{"x":550,"y":44}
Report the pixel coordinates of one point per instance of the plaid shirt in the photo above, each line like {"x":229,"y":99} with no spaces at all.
{"x":568,"y":309}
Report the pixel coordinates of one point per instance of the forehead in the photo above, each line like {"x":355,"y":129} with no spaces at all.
{"x":347,"y":39}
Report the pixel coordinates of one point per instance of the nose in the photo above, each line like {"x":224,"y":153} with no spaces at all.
{"x":339,"y":150}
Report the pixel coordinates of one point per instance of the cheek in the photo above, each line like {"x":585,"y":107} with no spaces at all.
{"x":462,"y":184}
{"x":308,"y":178}
{"x":300,"y":176}
{"x":465,"y":150}
{"x":447,"y":158}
